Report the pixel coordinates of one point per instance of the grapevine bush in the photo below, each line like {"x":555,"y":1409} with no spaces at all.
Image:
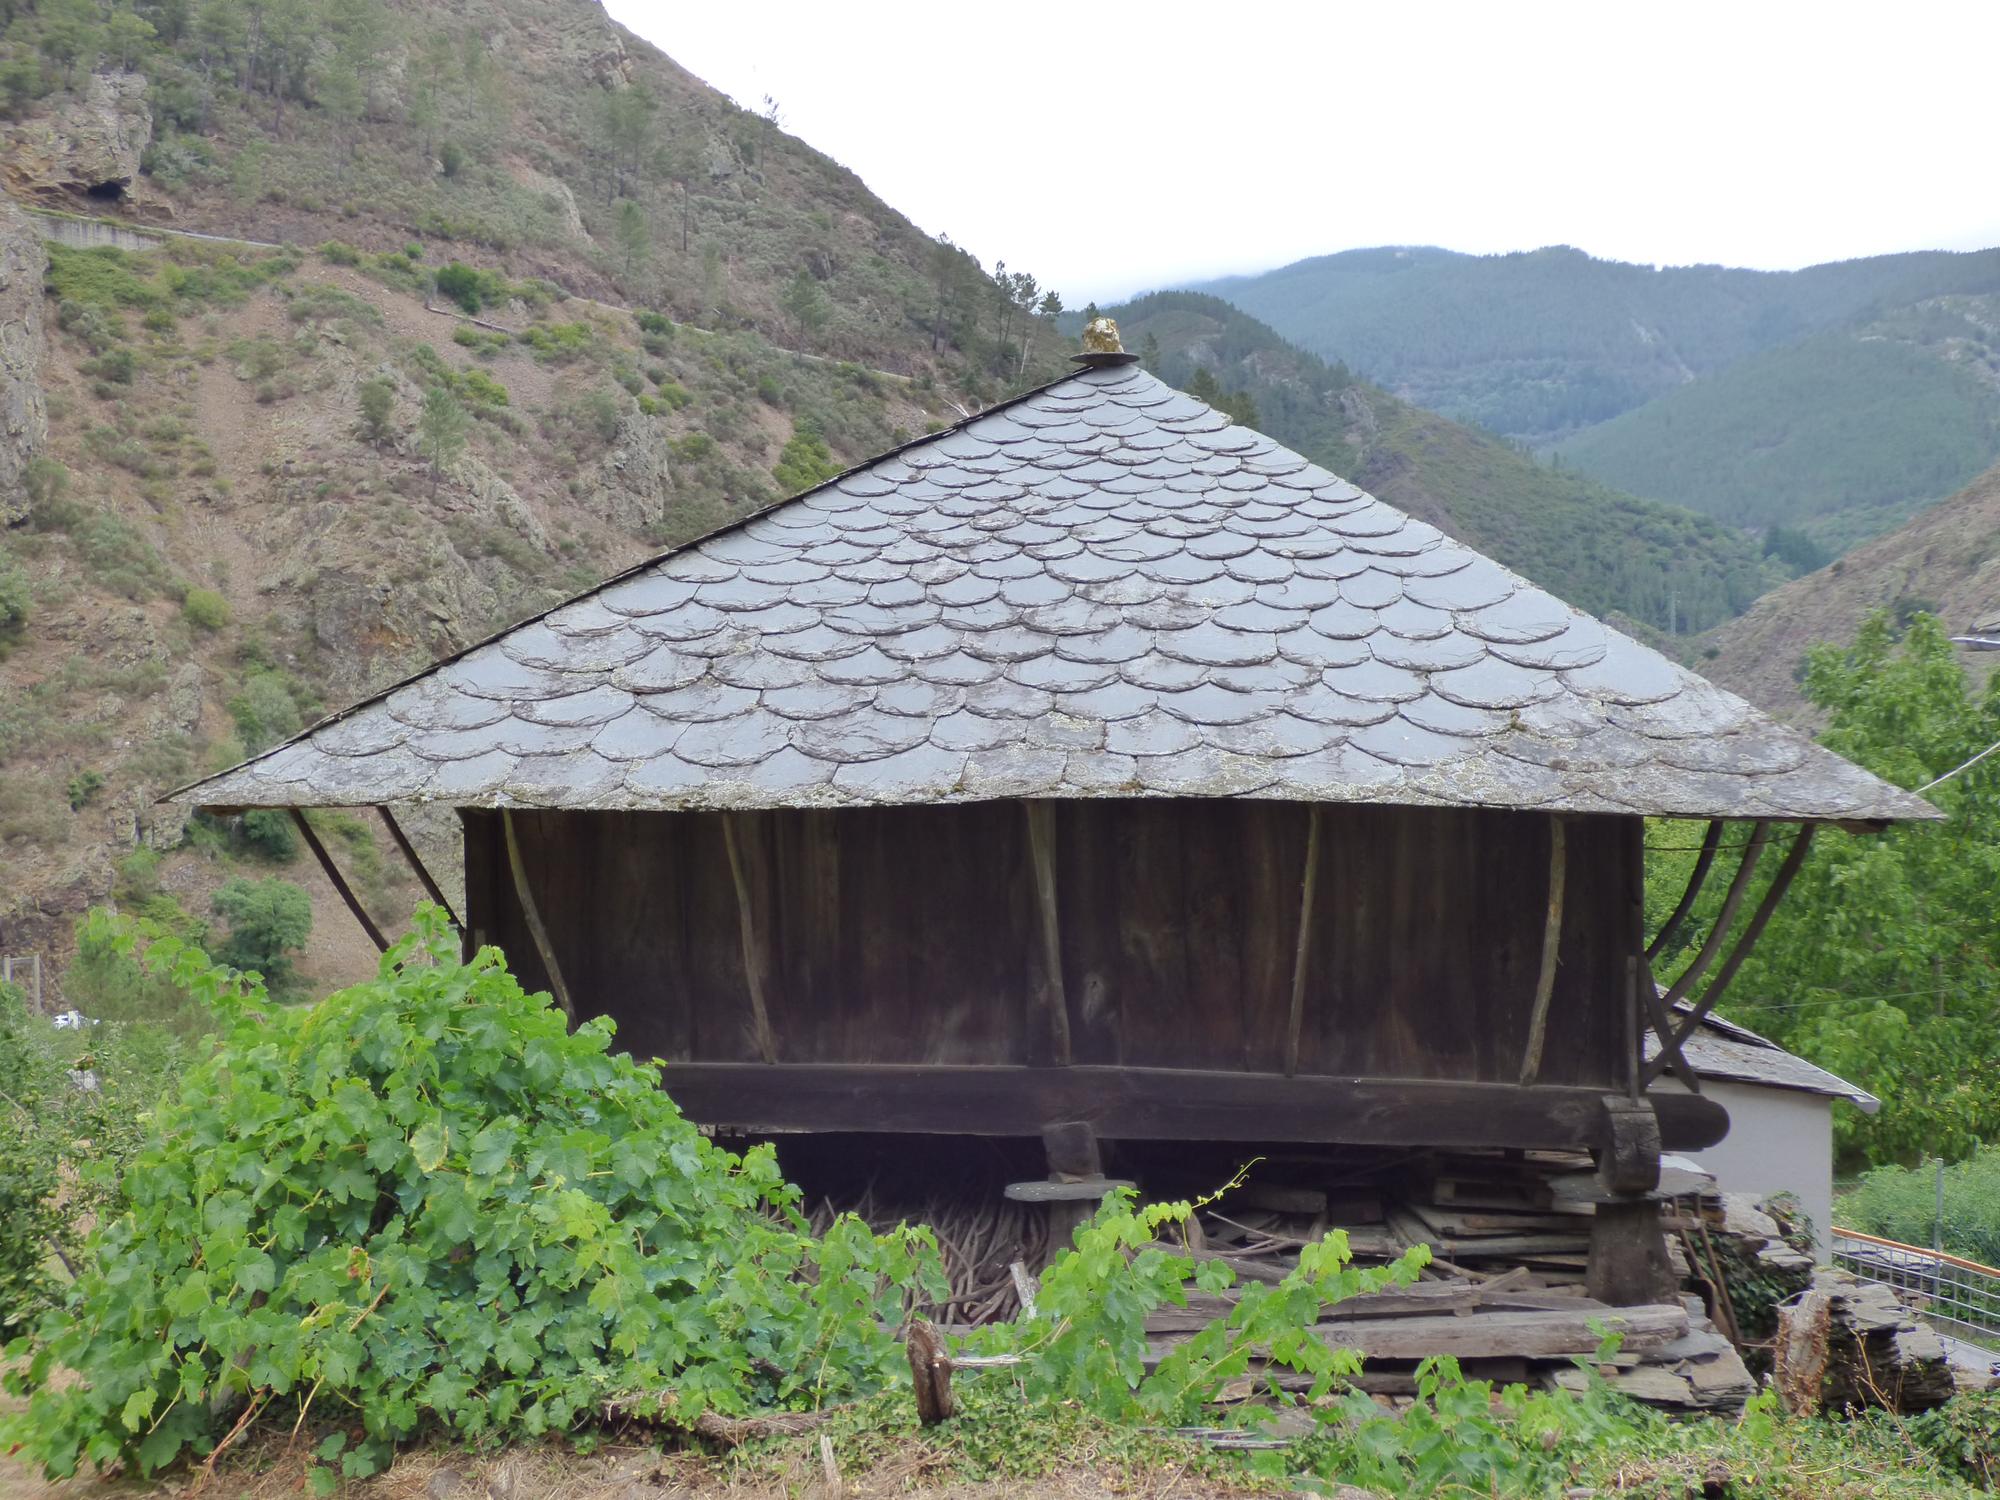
{"x":424,"y":1204}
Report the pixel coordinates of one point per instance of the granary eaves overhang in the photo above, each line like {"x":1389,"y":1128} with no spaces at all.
{"x":1102,"y":588}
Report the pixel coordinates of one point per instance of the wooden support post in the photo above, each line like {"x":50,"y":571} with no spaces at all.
{"x":1071,"y":1148}
{"x":930,"y":1373}
{"x":756,"y":960}
{"x":416,"y":864}
{"x":339,"y":881}
{"x":1628,"y":1264}
{"x":1704,"y":861}
{"x":1545,"y":980}
{"x":1725,"y":919}
{"x":1295,"y":1020}
{"x":1670,"y":1054}
{"x":1042,"y":865}
{"x":1795,"y":857}
{"x":532,"y":915}
{"x":1074,"y":1158}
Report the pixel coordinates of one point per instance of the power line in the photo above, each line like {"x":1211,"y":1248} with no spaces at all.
{"x":1956,"y":769}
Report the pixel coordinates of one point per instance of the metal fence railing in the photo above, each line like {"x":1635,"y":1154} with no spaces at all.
{"x":1959,"y":1297}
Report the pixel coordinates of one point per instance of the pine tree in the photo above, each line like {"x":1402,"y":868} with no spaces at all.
{"x":442,"y":430}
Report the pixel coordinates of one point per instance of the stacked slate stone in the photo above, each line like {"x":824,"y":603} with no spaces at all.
{"x":1847,"y":1344}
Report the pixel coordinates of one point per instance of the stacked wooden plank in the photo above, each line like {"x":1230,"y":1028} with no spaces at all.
{"x":1509,"y":1235}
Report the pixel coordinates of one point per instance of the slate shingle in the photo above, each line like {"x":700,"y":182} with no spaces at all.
{"x":1103,"y":589}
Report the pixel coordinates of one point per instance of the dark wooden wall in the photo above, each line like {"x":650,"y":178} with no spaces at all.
{"x":916,"y":935}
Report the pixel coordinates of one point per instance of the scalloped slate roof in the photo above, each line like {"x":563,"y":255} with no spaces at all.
{"x":1101,"y":589}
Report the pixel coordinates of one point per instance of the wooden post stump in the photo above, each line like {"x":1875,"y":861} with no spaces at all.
{"x":1628,"y":1254}
{"x":930,"y":1373}
{"x":1628,"y":1264}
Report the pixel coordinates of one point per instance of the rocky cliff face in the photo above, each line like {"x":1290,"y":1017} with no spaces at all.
{"x":86,"y":142}
{"x":24,"y":422}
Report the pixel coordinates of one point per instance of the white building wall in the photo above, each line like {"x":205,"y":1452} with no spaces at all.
{"x":1780,"y":1140}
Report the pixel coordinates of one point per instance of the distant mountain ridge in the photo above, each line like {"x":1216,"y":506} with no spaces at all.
{"x":1839,"y":398}
{"x":1659,"y":568}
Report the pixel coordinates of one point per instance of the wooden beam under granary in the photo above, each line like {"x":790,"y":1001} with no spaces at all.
{"x":1099,"y":770}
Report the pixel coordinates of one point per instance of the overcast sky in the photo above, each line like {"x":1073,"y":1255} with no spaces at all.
{"x":1112,"y":148}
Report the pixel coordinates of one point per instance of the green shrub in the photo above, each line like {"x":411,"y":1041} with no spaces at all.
{"x":1900,"y":1203}
{"x":654,"y":323}
{"x":205,"y":609}
{"x":481,"y":341}
{"x":113,"y":367}
{"x":47,"y":480}
{"x":120,"y":557}
{"x":558,"y":342}
{"x":413,"y":251}
{"x":378,"y":400}
{"x":451,"y":157}
{"x":325,"y":304}
{"x":804,"y":462}
{"x":270,"y":833}
{"x":31,"y":1218}
{"x":268,"y":920}
{"x":481,"y":389}
{"x":101,"y":276}
{"x":83,"y":789}
{"x":16,"y":603}
{"x":471,"y":288}
{"x":675,"y":394}
{"x":339,"y":253}
{"x":588,"y":420}
{"x":425,"y":1204}
{"x":1964,"y":1434}
{"x":266,"y":709}
{"x":63,"y":1144}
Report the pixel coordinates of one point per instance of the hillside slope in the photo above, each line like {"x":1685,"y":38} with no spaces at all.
{"x":1657,"y":565}
{"x":534,"y":136}
{"x":1945,"y":561}
{"x":248,"y":484}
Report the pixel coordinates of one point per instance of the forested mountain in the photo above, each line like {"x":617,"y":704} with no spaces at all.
{"x":1945,"y":562}
{"x":1661,"y":566}
{"x":1842,"y":434}
{"x":1836,"y":399}
{"x":242,"y":483}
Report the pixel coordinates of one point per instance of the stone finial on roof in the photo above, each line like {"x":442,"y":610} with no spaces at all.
{"x":1101,"y":345}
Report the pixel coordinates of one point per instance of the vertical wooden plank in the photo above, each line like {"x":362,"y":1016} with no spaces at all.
{"x":1545,"y":978}
{"x":743,"y":849}
{"x":531,"y":915}
{"x":1155,"y":971}
{"x":1053,"y":999}
{"x":1308,"y":888}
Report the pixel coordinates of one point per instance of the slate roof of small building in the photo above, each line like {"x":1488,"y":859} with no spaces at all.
{"x":1101,"y":589}
{"x":1729,"y":1053}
